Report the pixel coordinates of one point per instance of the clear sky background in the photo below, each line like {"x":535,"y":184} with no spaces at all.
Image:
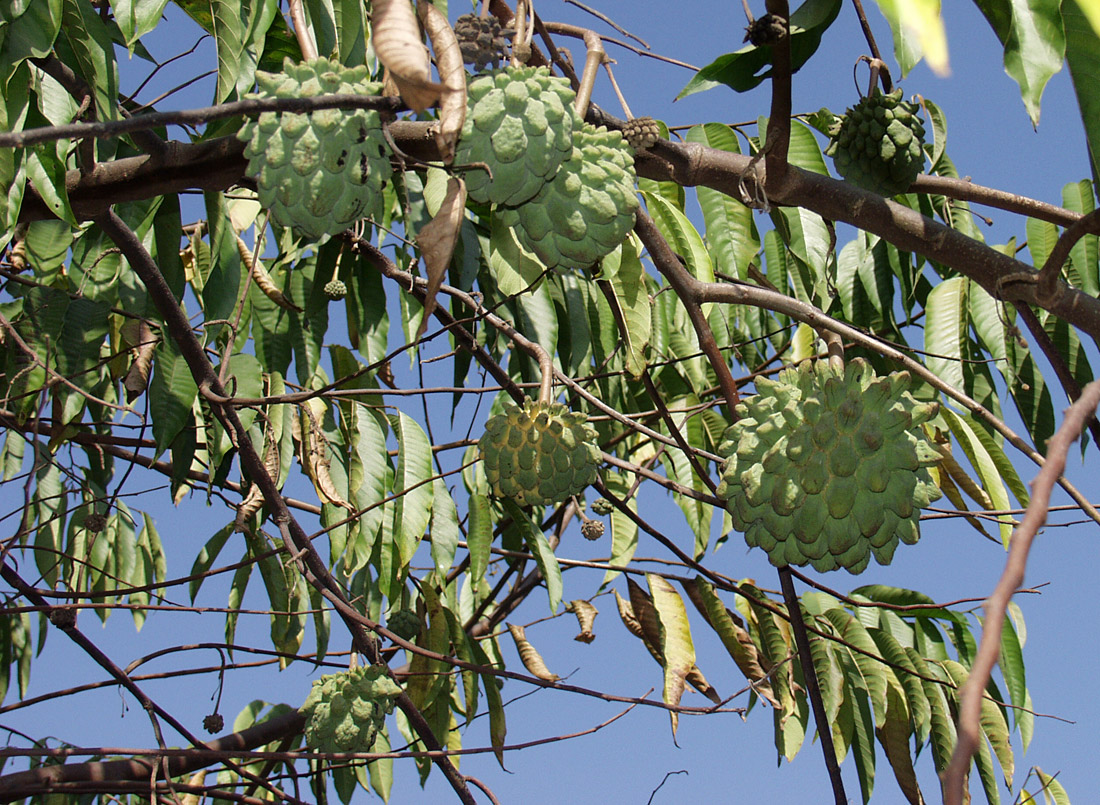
{"x":990,"y":138}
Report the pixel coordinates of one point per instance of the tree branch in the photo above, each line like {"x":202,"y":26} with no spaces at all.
{"x":970,"y":699}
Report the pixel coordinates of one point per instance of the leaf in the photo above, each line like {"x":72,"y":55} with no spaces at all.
{"x":1078,"y":197}
{"x":894,"y":737}
{"x":397,"y":44}
{"x":412,"y":485}
{"x":92,"y":48}
{"x":676,"y":644}
{"x":1034,"y":43}
{"x":945,"y":331}
{"x":437,"y":239}
{"x":920,"y":18}
{"x":544,"y":555}
{"x":681,"y":236}
{"x":529,"y":655}
{"x":984,"y":465}
{"x":624,"y":530}
{"x":586,"y":615}
{"x":740,"y":71}
{"x":737,"y":641}
{"x":1053,"y":792}
{"x":873,"y":673}
{"x":1083,"y":57}
{"x":627,"y":284}
{"x":730,"y":230}
{"x":172,"y":392}
{"x":448,"y":60}
{"x":479,"y":538}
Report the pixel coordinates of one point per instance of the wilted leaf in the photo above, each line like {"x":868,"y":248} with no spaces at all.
{"x":398,"y":46}
{"x":586,"y":615}
{"x":437,"y":240}
{"x":530,"y":656}
{"x":448,"y":61}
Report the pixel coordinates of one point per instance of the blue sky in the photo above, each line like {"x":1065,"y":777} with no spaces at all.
{"x":990,"y":138}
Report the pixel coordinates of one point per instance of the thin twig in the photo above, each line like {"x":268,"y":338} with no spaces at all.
{"x":970,"y":698}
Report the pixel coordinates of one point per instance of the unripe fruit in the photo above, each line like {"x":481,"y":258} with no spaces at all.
{"x":345,"y":711}
{"x":844,"y":502}
{"x":879,"y":144}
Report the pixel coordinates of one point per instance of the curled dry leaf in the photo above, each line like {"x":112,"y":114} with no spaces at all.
{"x":255,"y":499}
{"x":262,"y":279}
{"x":398,"y":46}
{"x":314,"y":453}
{"x":586,"y":614}
{"x":532,"y":660}
{"x":143,"y":344}
{"x":452,"y":74}
{"x":437,"y":239}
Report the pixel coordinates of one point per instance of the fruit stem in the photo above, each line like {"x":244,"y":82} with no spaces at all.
{"x":595,"y":57}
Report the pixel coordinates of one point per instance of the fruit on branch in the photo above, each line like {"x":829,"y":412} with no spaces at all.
{"x":588,"y":208}
{"x":520,"y":123}
{"x":592,"y":529}
{"x":829,"y":468}
{"x":317,"y":173}
{"x":879,"y":143}
{"x":345,"y":711}
{"x":602,"y":507}
{"x":482,"y":40}
{"x":404,"y":623}
{"x":641,"y":132}
{"x":539,"y":454}
{"x":335,"y":289}
{"x":213,"y":723}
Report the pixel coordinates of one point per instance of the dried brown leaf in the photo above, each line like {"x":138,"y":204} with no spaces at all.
{"x":532,"y":660}
{"x":144,"y":343}
{"x":314,"y":456}
{"x":452,"y":74}
{"x":398,"y":46}
{"x":437,"y":240}
{"x":586,"y":614}
{"x":262,"y":279}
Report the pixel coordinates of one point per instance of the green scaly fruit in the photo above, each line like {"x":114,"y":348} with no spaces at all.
{"x":879,"y":144}
{"x":317,"y":173}
{"x":829,"y":468}
{"x":345,"y":711}
{"x":519,"y":122}
{"x":539,"y":454}
{"x":588,"y":208}
{"x":404,"y":623}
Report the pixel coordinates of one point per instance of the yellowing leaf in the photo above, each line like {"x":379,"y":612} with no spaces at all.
{"x":922,"y":17}
{"x":676,"y":645}
{"x":530,"y":656}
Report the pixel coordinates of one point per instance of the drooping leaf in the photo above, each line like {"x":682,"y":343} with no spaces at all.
{"x":676,"y":644}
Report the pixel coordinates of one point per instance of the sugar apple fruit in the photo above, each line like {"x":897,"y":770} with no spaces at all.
{"x":345,"y":711}
{"x":829,"y":468}
{"x":317,"y":173}
{"x":520,"y":123}
{"x":588,"y":208}
{"x":335,"y":289}
{"x":404,"y":623}
{"x":539,"y":454}
{"x":602,"y":507}
{"x":879,"y":143}
{"x":482,"y":40}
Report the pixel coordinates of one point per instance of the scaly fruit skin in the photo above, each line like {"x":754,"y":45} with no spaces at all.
{"x":539,"y":454}
{"x":520,"y":123}
{"x":588,"y":208}
{"x":602,"y":507}
{"x":404,"y":623}
{"x":829,"y":469}
{"x":879,"y":144}
{"x":345,"y":711}
{"x":482,"y":40}
{"x":335,"y":289}
{"x":317,"y":173}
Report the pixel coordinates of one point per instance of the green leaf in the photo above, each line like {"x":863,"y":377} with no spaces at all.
{"x":228,"y":37}
{"x":514,"y":268}
{"x":412,"y":485}
{"x":987,"y":469}
{"x":1034,"y":44}
{"x":479,"y":538}
{"x":681,"y":236}
{"x":444,"y":528}
{"x":917,"y":20}
{"x":676,"y":644}
{"x":219,"y":292}
{"x":945,"y":333}
{"x":381,"y":770}
{"x":544,"y":556}
{"x":627,"y":283}
{"x":1053,"y":792}
{"x":1083,"y":57}
{"x":172,"y":392}
{"x":730,"y":230}
{"x":135,"y":18}
{"x":47,"y":173}
{"x":1078,"y":197}
{"x":873,"y":673}
{"x":31,"y":29}
{"x":741,"y":71}
{"x":894,"y":737}
{"x":94,"y":52}
{"x":624,"y":531}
